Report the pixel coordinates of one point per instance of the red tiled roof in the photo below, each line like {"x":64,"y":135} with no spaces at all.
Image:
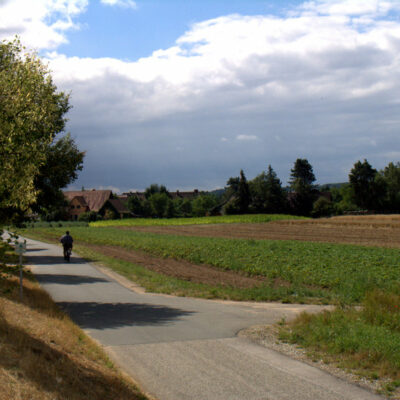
{"x":94,"y":199}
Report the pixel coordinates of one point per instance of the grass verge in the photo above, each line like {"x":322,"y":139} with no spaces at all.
{"x":43,"y":355}
{"x":365,"y":340}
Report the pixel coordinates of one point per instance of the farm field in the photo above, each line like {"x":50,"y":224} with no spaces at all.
{"x":382,"y":231}
{"x":224,"y":219}
{"x":286,"y":270}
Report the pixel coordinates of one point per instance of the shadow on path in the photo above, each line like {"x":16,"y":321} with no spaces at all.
{"x":28,"y":250}
{"x":68,"y":279}
{"x":51,"y":260}
{"x":114,"y":315}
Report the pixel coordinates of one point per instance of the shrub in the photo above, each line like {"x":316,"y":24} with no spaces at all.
{"x":322,"y":208}
{"x":90,"y":216}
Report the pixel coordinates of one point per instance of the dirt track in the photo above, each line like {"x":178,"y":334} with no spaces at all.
{"x":362,"y":231}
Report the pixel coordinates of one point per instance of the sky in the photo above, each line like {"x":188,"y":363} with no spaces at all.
{"x":186,"y":93}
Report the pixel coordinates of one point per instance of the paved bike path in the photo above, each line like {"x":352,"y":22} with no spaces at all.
{"x":183,"y":348}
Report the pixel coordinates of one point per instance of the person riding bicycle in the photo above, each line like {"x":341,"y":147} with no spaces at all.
{"x":66,"y":241}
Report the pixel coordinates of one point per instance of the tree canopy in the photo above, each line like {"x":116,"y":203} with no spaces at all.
{"x":301,"y":182}
{"x":63,"y":161}
{"x":31,"y":114}
{"x":267,"y":193}
{"x":367,"y":185}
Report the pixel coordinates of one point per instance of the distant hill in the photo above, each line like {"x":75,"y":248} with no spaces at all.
{"x":332,"y":185}
{"x":217,"y":192}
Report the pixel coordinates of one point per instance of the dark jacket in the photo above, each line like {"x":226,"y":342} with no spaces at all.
{"x":67,"y":240}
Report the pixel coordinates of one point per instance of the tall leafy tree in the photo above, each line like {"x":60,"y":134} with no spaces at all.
{"x":301,"y":182}
{"x":31,"y":114}
{"x":63,"y":161}
{"x":367,"y":186}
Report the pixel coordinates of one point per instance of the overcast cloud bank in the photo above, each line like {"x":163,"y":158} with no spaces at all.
{"x":237,"y":92}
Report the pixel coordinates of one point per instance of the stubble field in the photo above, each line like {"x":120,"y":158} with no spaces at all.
{"x":381,"y":231}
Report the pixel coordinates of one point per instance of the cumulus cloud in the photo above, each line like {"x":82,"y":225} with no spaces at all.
{"x":310,"y":84}
{"x":120,"y":3}
{"x":246,"y":137}
{"x":41,"y":24}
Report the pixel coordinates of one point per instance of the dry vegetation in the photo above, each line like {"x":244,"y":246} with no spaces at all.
{"x":44,"y":356}
{"x":370,"y":230}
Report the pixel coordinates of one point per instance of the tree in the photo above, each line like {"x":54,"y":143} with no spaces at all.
{"x":391,"y":175}
{"x":342,"y":199}
{"x":267,"y":193}
{"x":237,"y":195}
{"x":182,"y":207}
{"x":202,"y":204}
{"x":243,"y":194}
{"x":159,"y":204}
{"x":301,"y":182}
{"x":31,"y":114}
{"x":135,"y":205}
{"x":155,"y":188}
{"x":63,"y":161}
{"x":367,"y":186}
{"x":322,"y":208}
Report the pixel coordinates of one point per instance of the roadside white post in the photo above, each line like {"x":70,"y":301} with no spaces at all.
{"x":20,"y":248}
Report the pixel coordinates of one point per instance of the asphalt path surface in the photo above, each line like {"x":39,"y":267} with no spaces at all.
{"x":182,"y":348}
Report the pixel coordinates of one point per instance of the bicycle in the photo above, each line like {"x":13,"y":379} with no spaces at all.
{"x":68,"y":254}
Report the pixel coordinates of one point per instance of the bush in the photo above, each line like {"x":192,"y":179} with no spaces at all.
{"x":322,"y":208}
{"x":90,"y":216}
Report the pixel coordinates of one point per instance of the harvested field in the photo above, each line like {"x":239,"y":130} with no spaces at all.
{"x":182,"y":269}
{"x":375,"y":230}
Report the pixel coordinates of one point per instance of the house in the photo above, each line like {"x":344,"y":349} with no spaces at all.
{"x":99,"y":201}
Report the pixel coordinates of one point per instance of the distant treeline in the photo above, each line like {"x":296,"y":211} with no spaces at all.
{"x":367,"y":190}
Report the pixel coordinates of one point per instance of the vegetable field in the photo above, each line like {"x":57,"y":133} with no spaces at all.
{"x":329,"y":272}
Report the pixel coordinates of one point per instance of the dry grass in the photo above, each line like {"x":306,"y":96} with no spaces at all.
{"x":44,"y":356}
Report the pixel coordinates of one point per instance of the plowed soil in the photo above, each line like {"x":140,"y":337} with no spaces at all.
{"x":181,"y":269}
{"x":382,"y":231}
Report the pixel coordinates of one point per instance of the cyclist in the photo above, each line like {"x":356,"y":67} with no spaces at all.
{"x":66,"y":241}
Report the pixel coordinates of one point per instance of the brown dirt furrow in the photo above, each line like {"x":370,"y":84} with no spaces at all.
{"x":324,"y":231}
{"x":181,"y":269}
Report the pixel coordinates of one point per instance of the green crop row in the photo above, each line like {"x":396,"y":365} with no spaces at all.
{"x":225,"y":219}
{"x":344,"y":272}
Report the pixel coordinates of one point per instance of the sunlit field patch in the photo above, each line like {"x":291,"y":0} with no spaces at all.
{"x":225,"y":219}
